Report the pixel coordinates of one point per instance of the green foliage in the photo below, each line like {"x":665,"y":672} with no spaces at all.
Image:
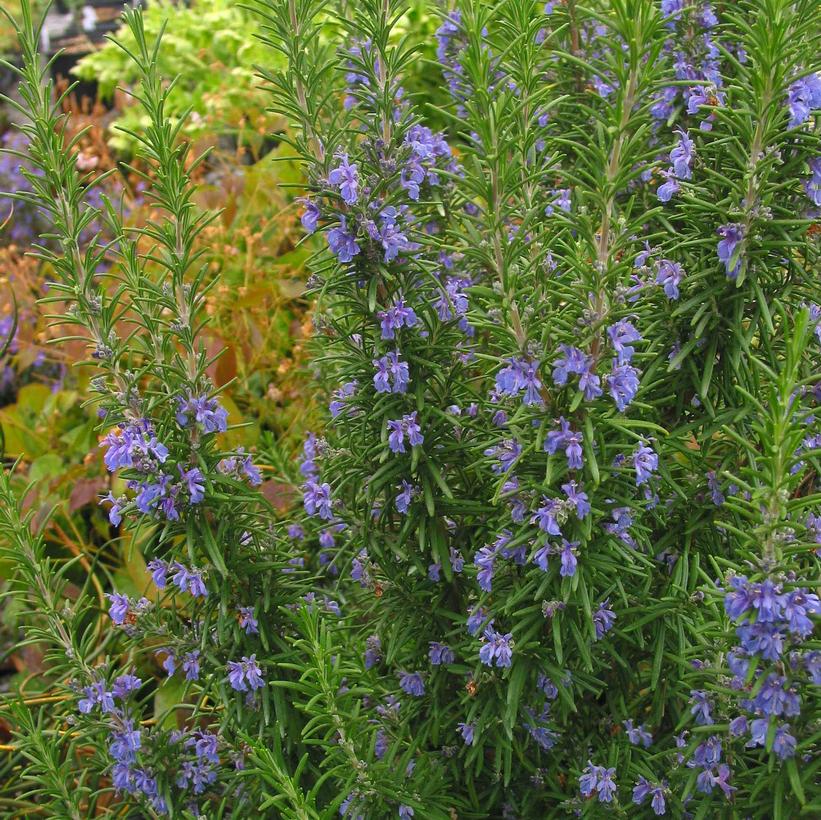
{"x":560,"y":546}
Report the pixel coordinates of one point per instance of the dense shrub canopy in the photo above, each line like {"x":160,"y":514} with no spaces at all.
{"x":557,"y":551}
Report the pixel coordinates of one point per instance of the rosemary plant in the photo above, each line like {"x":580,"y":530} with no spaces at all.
{"x":558,"y":551}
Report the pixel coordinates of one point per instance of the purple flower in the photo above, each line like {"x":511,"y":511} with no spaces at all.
{"x":441,"y":653}
{"x":206,"y":413}
{"x":547,"y":516}
{"x":669,"y":188}
{"x":115,"y":512}
{"x":392,"y":375}
{"x":485,"y":559}
{"x":310,"y":216}
{"x":496,"y":647}
{"x":568,"y":440}
{"x":519,"y":375}
{"x":568,"y":556}
{"x":98,"y":694}
{"x":195,"y":484}
{"x":477,"y":618}
{"x":339,"y":401}
{"x":682,"y":155}
{"x":598,"y":780}
{"x":158,"y":570}
{"x":188,"y":580}
{"x":405,"y":496}
{"x":505,"y":454}
{"x":134,"y":445}
{"x":317,"y":499}
{"x":575,"y":361}
{"x":737,"y":600}
{"x":577,"y":498}
{"x":125,"y":685}
{"x":345,"y":177}
{"x":784,"y":743}
{"x":803,"y":96}
{"x":645,"y":463}
{"x":622,"y":335}
{"x":643,"y":789}
{"x":412,"y":683}
{"x":669,"y":275}
{"x":118,"y":611}
{"x":245,"y":673}
{"x":125,"y":743}
{"x":623,"y":383}
{"x":731,"y":235}
{"x":798,"y":605}
{"x":395,"y":317}
{"x":343,"y":243}
{"x":637,"y":735}
{"x":247,"y":620}
{"x":603,"y":619}
{"x":373,"y":651}
{"x":701,"y":707}
{"x":391,"y":235}
{"x":468,"y":732}
{"x":191,"y":664}
{"x":572,"y":360}
{"x":406,"y":426}
{"x":813,"y":186}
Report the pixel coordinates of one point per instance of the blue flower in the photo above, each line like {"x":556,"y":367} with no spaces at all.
{"x":496,"y":647}
{"x":207,"y":413}
{"x":568,"y":440}
{"x":637,"y":735}
{"x":245,"y":673}
{"x":732,"y":236}
{"x":669,"y":188}
{"x":405,"y":496}
{"x":392,"y":375}
{"x":124,"y":685}
{"x":310,"y":216}
{"x":247,"y":620}
{"x":643,"y":788}
{"x":317,"y":499}
{"x":603,"y":619}
{"x":125,"y":742}
{"x":441,"y":653}
{"x":623,"y":383}
{"x":343,"y":243}
{"x":645,"y":463}
{"x":373,"y":651}
{"x":406,"y":426}
{"x":468,"y":732}
{"x":520,"y":375}
{"x":395,"y":317}
{"x":803,"y":97}
{"x":412,"y":683}
{"x":682,"y":155}
{"x":568,"y":558}
{"x":345,"y":177}
{"x":669,"y":275}
{"x":188,"y":580}
{"x":118,"y":610}
{"x":159,"y":571}
{"x":577,"y":498}
{"x":505,"y":454}
{"x":598,"y":780}
{"x":701,"y":708}
{"x":191,"y":665}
